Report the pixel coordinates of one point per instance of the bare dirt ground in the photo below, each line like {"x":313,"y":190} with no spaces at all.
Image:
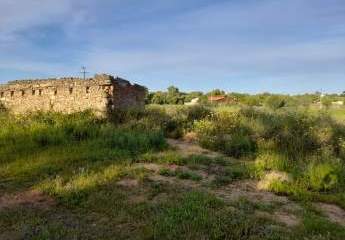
{"x":128,"y":182}
{"x":333,"y":212}
{"x":287,"y":212}
{"x":29,"y":198}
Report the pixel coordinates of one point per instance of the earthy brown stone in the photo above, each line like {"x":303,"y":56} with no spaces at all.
{"x":101,"y":93}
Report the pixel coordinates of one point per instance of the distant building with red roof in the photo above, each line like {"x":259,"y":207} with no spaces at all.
{"x":218,"y":99}
{"x":222,"y":99}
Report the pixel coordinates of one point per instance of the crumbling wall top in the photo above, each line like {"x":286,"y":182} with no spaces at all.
{"x":98,"y":79}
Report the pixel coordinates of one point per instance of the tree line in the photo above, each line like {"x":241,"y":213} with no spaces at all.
{"x":174,"y":96}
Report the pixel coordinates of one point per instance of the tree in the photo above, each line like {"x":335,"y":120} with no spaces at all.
{"x":159,"y":98}
{"x":189,"y":96}
{"x":174,"y":96}
{"x":172,"y":90}
{"x":216,"y":92}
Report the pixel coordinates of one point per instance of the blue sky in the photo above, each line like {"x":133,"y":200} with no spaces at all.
{"x":285,"y":46}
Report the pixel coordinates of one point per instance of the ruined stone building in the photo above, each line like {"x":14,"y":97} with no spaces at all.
{"x":101,"y":93}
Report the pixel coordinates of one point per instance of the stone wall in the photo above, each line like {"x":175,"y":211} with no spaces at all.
{"x":100,"y":93}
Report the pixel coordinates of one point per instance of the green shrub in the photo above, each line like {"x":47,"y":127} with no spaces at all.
{"x":121,"y":116}
{"x":225,"y":132}
{"x":275,"y":102}
{"x":197,"y":112}
{"x":167,"y":172}
{"x":323,"y":176}
{"x":230,"y":174}
{"x":267,"y":161}
{"x":198,"y":160}
{"x":238,"y":171}
{"x":221,"y":180}
{"x":173,"y":129}
{"x":239,"y":145}
{"x":187,"y":175}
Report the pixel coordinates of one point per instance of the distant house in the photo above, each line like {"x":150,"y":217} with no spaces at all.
{"x":222,"y":99}
{"x":217,"y":99}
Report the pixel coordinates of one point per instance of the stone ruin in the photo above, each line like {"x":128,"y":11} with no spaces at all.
{"x":102,"y":93}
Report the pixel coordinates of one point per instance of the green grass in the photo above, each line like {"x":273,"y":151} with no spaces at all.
{"x":181,"y":174}
{"x":188,"y":175}
{"x":231,"y":173}
{"x":200,"y":216}
{"x":78,"y":160}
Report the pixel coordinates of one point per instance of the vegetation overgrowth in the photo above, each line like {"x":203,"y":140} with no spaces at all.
{"x":90,"y":167}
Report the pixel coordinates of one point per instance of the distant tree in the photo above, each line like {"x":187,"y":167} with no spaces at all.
{"x":159,"y":98}
{"x":189,"y":96}
{"x":149,"y":96}
{"x":216,"y":92}
{"x":172,"y":90}
{"x":174,"y":96}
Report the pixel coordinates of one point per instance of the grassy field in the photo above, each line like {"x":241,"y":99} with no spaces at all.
{"x":173,"y":173}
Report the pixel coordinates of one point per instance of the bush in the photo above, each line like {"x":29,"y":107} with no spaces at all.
{"x":197,"y":113}
{"x":268,"y":161}
{"x":274,"y":102}
{"x":239,"y":145}
{"x":188,"y":175}
{"x":225,"y":132}
{"x":323,"y":176}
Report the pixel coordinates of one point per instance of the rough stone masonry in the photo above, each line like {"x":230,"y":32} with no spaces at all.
{"x":101,"y":94}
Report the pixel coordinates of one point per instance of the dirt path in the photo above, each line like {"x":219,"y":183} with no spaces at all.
{"x":333,"y":212}
{"x":286,"y":211}
{"x":187,"y":148}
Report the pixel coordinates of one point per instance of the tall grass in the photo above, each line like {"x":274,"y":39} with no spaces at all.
{"x":26,"y":134}
{"x":39,"y":146}
{"x":309,"y":146}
